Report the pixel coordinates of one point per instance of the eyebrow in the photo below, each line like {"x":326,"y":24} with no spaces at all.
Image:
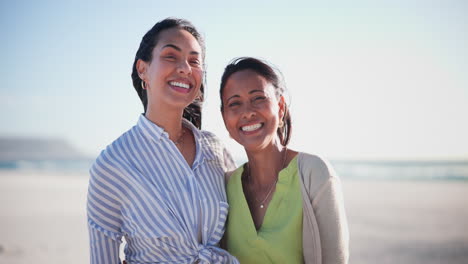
{"x":179,"y":49}
{"x":251,"y":92}
{"x":232,"y":97}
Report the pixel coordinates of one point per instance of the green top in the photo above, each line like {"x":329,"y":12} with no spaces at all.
{"x":279,"y":239}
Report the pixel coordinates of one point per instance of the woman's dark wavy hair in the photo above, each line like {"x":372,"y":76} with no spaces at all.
{"x":193,"y":112}
{"x":272,"y":75}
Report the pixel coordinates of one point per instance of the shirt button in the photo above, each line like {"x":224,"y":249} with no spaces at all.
{"x":206,"y":229}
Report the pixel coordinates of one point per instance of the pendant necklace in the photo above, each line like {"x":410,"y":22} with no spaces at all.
{"x":180,"y":139}
{"x":262,"y":203}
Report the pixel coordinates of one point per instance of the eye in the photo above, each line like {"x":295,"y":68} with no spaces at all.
{"x":233,"y":104}
{"x":259,"y":99}
{"x":195,"y":62}
{"x":170,"y":57}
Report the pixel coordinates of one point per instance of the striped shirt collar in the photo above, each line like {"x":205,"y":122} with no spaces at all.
{"x":156,"y":133}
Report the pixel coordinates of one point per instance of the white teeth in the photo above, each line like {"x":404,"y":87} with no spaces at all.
{"x":251,"y":127}
{"x":179,"y":84}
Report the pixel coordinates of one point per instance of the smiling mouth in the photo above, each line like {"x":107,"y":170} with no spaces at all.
{"x":180,"y":84}
{"x":251,"y":128}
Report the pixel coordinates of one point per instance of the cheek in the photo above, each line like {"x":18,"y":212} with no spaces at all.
{"x":157,"y":72}
{"x":160,"y":66}
{"x":229,"y":121}
{"x":197,"y":74}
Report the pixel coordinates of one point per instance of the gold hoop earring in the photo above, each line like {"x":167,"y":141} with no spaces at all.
{"x":281,"y":123}
{"x":143,"y":85}
{"x":199,"y":97}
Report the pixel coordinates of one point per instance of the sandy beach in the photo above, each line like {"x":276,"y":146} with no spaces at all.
{"x":407,"y":222}
{"x":43,"y":220}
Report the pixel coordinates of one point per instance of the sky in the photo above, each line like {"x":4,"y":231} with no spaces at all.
{"x":366,"y":80}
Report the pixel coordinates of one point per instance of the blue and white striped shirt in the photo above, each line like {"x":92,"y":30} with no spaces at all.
{"x":142,"y":188}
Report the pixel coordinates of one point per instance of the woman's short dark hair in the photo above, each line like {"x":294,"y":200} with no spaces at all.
{"x":193,"y":112}
{"x":272,"y":75}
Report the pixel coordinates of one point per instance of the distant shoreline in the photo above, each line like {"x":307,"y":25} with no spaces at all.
{"x":349,"y":170}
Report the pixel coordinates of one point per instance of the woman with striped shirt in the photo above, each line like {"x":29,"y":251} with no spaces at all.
{"x":161,"y":185}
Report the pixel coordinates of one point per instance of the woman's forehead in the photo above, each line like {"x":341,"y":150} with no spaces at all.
{"x":247,"y":81}
{"x":180,"y":38}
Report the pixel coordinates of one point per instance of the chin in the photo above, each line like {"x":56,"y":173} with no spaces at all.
{"x":252,"y":146}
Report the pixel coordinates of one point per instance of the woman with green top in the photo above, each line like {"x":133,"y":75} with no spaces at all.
{"x":285,"y":206}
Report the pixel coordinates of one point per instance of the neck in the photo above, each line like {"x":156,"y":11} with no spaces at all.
{"x":264,"y":165}
{"x":170,"y":121}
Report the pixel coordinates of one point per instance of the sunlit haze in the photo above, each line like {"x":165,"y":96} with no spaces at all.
{"x":366,"y":80}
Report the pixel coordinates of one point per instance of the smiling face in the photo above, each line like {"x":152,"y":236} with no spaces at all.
{"x":251,"y":110}
{"x":174,"y":75}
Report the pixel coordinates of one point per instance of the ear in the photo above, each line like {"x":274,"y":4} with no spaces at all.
{"x":141,"y":67}
{"x":282,"y":107}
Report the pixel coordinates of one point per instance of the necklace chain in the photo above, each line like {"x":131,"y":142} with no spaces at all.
{"x":180,"y":139}
{"x":273,"y":184}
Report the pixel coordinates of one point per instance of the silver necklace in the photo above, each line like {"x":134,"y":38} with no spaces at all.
{"x":262,"y":203}
{"x":180,"y":139}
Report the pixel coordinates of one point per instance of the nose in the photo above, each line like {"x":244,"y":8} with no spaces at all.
{"x":248,"y":112}
{"x":184,"y":67}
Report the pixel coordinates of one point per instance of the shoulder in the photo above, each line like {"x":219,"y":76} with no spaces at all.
{"x":209,"y":137}
{"x":214,"y":148}
{"x":211,"y":143}
{"x":115,"y":149}
{"x":314,"y":169}
{"x":236,"y":173}
{"x":113,"y":158}
{"x":315,"y":163}
{"x":232,"y":181}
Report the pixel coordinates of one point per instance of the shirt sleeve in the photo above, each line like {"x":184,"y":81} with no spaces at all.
{"x":220,"y":151}
{"x":103,"y":250}
{"x":229,"y":162}
{"x":331,"y":219}
{"x":104,"y":212}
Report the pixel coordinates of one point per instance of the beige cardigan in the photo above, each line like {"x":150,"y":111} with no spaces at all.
{"x":325,"y":230}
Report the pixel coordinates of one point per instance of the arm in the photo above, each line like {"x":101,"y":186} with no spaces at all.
{"x":102,"y":248}
{"x":104,"y":214}
{"x":331,"y":219}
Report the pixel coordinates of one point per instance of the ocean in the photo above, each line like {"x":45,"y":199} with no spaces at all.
{"x":403,"y":170}
{"x":75,"y":166}
{"x":456,"y":170}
